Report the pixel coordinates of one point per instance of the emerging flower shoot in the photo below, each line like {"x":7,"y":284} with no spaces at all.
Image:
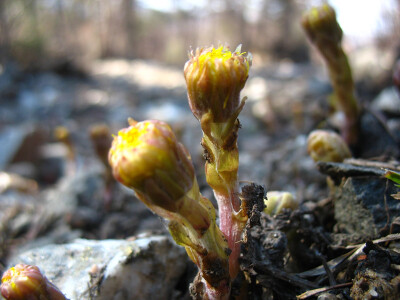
{"x":147,"y":157}
{"x":25,"y":282}
{"x":214,"y":78}
{"x":327,"y":146}
{"x":325,"y":33}
{"x":277,"y":201}
{"x":100,"y":136}
{"x":63,"y":135}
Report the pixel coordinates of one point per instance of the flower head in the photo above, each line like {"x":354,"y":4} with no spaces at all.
{"x":23,"y":282}
{"x":147,"y":157}
{"x":215,"y":77}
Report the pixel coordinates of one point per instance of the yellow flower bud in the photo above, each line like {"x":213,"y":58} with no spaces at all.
{"x":327,"y":146}
{"x":148,"y":158}
{"x":27,"y":282}
{"x":214,"y":80}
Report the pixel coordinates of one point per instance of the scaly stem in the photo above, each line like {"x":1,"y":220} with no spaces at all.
{"x":221,"y":293}
{"x":221,"y":174}
{"x":231,"y":226}
{"x":344,"y":93}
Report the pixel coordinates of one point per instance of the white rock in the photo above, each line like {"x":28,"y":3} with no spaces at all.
{"x":146,"y":268}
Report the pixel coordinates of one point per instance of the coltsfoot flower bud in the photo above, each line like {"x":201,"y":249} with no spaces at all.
{"x":320,"y":23}
{"x":277,"y":201}
{"x":214,"y":80}
{"x":147,"y":158}
{"x":25,"y":282}
{"x":327,"y":146}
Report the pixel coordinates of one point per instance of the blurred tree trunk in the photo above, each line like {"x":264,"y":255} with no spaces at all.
{"x":4,"y":34}
{"x":60,"y":27}
{"x":103,"y":19}
{"x":286,"y":20}
{"x":234,"y":22}
{"x":33,"y":13}
{"x":292,"y":43}
{"x":30,"y":48}
{"x":128,"y":8}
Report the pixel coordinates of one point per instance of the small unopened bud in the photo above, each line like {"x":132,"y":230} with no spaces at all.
{"x":24,"y":282}
{"x":147,"y":158}
{"x":101,"y":139}
{"x":63,"y":135}
{"x":320,"y":24}
{"x":327,"y":146}
{"x":214,"y":80}
{"x":277,"y":201}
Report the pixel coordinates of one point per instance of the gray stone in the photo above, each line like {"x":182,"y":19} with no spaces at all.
{"x":146,"y":268}
{"x":364,"y":207}
{"x":339,"y":170}
{"x":388,"y":101}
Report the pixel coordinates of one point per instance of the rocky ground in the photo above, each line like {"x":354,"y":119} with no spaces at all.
{"x":59,"y":211}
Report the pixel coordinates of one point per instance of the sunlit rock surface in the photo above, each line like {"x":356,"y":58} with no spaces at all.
{"x":145,"y":268}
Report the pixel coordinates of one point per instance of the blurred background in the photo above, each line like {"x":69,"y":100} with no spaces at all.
{"x":45,"y":33}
